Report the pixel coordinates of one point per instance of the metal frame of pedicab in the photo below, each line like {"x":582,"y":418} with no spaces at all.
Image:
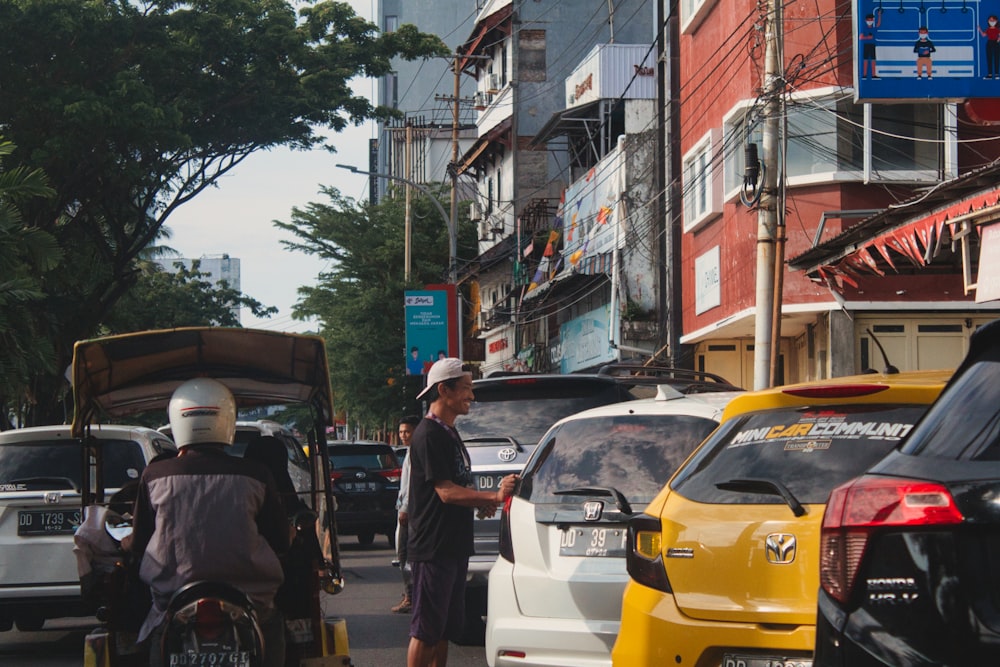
{"x":118,"y":376}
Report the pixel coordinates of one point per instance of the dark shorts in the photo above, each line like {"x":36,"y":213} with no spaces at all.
{"x":868,"y":52}
{"x":438,"y":599}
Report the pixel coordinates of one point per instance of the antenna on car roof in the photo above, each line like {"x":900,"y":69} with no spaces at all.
{"x":889,"y":368}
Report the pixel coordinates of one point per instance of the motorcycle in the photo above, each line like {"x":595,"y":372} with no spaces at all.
{"x":210,"y":623}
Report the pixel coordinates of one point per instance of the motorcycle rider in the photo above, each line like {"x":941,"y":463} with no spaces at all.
{"x":205,"y":515}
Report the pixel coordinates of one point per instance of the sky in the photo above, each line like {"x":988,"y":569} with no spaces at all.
{"x":236,"y":218}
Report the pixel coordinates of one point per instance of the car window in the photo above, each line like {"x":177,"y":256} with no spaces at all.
{"x":373,"y":460}
{"x":524,"y":409}
{"x":42,"y":464}
{"x":964,"y":423}
{"x":807,"y":450}
{"x":635,"y":454}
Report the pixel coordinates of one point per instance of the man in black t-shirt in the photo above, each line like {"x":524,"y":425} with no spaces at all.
{"x":440,"y":508}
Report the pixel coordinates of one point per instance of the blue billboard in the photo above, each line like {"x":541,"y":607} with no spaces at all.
{"x":916,"y":50}
{"x":429,"y":331}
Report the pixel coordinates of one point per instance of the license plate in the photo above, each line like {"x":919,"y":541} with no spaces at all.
{"x":593,"y":541}
{"x":48,"y":522}
{"x":359,"y":486}
{"x":210,"y":658}
{"x":732,"y":660}
{"x":489,"y":481}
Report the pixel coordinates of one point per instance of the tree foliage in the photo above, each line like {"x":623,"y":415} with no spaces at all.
{"x":134,"y":108}
{"x":359,"y":301}
{"x":181,"y":297}
{"x":26,"y":254}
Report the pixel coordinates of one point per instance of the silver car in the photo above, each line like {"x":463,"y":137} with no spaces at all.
{"x":40,"y":509}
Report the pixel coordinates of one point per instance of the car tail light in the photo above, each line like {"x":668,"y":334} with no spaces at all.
{"x":836,"y":391}
{"x":644,"y":553}
{"x":209,"y":619}
{"x":860,"y":507}
{"x":506,"y":546}
{"x":335,"y":475}
{"x":392,"y":475}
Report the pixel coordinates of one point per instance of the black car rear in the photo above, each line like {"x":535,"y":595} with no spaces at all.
{"x":365,"y":483}
{"x":910,"y":550}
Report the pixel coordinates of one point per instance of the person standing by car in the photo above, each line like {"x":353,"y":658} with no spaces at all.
{"x":440,"y":511}
{"x":406,"y":427}
{"x":205,"y":515}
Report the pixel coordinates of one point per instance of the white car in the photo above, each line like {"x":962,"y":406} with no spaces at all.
{"x":40,"y":478}
{"x":555,"y":592}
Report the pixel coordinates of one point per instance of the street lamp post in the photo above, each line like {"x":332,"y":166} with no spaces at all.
{"x":452,"y":235}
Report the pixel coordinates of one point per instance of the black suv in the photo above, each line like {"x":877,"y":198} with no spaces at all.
{"x":910,"y":549}
{"x":365,"y":478}
{"x":513,"y":411}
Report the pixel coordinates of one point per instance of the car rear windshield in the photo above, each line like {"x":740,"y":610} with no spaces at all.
{"x":525,"y":408}
{"x":964,"y":423}
{"x":807,"y":451}
{"x":635,"y":454}
{"x":56,"y":464}
{"x":364,"y":456}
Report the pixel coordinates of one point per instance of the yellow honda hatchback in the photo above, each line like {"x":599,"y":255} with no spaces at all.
{"x":724,"y":563}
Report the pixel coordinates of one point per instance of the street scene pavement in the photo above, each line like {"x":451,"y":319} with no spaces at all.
{"x":377,"y":637}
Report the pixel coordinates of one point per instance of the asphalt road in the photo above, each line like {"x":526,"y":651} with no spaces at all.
{"x":377,"y":637}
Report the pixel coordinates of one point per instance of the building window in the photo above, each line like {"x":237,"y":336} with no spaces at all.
{"x":489,"y":196}
{"x":700,"y":202}
{"x":391,"y":23}
{"x":693,"y":12}
{"x":827,"y":136}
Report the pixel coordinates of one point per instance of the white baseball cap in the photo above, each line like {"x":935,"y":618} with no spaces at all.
{"x":443,"y":369}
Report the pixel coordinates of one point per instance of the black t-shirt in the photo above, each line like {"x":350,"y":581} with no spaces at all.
{"x":437,"y":530}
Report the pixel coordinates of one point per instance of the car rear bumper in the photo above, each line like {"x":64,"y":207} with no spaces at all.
{"x":50,"y":602}
{"x":655,"y":632}
{"x":546,"y":642}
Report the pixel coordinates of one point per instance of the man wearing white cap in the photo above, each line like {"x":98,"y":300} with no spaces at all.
{"x":441,"y":505}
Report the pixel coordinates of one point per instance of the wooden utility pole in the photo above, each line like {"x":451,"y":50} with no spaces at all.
{"x":453,"y":172}
{"x":767,"y":211}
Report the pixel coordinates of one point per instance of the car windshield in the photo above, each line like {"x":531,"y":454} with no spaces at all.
{"x":525,"y":408}
{"x":635,"y":454}
{"x":807,"y":451}
{"x":366,"y":457}
{"x":56,"y":464}
{"x":964,"y":424}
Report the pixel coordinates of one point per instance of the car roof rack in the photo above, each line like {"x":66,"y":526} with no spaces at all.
{"x":661,"y":374}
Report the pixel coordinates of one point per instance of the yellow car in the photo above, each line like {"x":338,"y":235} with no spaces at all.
{"x":724,"y":563}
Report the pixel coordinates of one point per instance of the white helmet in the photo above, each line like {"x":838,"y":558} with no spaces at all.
{"x":202,"y":410}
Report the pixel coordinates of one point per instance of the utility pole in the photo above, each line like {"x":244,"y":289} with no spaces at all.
{"x":407,"y":219}
{"x":453,"y":171}
{"x":767,"y":212}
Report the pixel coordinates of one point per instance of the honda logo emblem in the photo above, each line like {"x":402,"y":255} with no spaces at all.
{"x":507,"y":454}
{"x":361,"y":474}
{"x":592,"y":510}
{"x":780,"y":548}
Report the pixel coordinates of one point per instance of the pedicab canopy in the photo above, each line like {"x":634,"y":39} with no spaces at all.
{"x":122,"y":375}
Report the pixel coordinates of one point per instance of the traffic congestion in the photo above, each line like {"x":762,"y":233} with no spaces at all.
{"x":662,"y":515}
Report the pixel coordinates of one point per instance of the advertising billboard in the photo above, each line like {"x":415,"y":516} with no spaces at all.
{"x":430,"y":327}
{"x":914,"y":50}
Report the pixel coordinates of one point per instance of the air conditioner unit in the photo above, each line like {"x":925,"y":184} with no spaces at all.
{"x":495,"y":83}
{"x":479,"y":101}
{"x":485,"y":230}
{"x":475,"y":211}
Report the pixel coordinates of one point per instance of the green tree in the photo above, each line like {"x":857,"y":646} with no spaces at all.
{"x":134,"y":108}
{"x":26,"y":254}
{"x":359,"y":301}
{"x":180,"y":298}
